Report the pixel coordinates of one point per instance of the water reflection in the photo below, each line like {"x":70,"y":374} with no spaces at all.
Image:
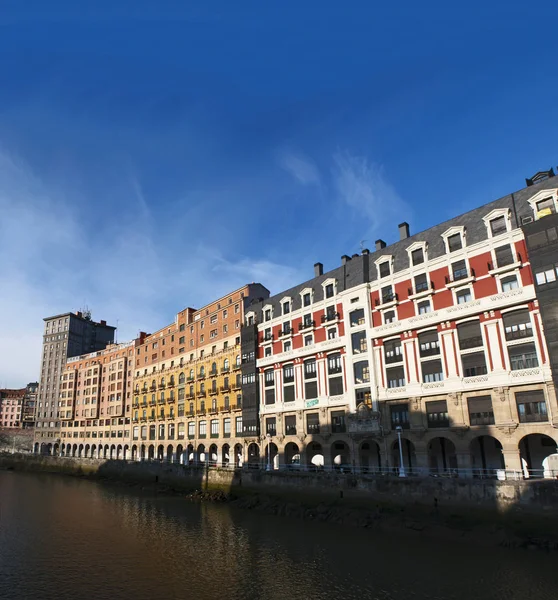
{"x":61,"y":537}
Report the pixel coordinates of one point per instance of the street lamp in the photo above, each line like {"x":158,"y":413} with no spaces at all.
{"x":401,"y":465}
{"x":268,"y":437}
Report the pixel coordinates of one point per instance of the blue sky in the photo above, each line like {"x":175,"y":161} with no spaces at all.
{"x":156,"y":155}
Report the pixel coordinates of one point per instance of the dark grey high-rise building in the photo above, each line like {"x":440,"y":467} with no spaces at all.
{"x":65,"y":335}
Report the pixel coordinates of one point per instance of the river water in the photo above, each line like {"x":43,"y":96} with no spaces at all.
{"x":64,"y":538}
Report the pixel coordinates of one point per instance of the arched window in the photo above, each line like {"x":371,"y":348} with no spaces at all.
{"x":202,"y":405}
{"x":226,"y":383}
{"x":135,"y":415}
{"x":214,"y":385}
{"x":191,"y":408}
{"x":202,"y":371}
{"x":181,"y":378}
{"x":202,"y":388}
{"x":226,"y":364}
{"x":238,"y":360}
{"x":191,"y":390}
{"x":214,"y":404}
{"x":239,"y":401}
{"x":227,"y":402}
{"x":153,"y":384}
{"x":214,"y":368}
{"x":171,"y":380}
{"x":144,"y":415}
{"x":162,"y":396}
{"x":191,"y":374}
{"x":162,"y":381}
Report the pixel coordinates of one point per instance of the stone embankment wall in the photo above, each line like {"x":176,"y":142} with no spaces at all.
{"x":531,"y":496}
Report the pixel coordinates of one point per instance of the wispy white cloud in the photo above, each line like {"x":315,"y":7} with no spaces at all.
{"x":362,"y":185}
{"x":136,"y":271}
{"x":302,"y":168}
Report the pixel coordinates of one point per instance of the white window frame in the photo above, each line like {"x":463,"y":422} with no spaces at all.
{"x":542,"y":195}
{"x":265,"y":308}
{"x":417,"y":246}
{"x":496,"y":213}
{"x":505,"y":276}
{"x":283,"y":300}
{"x":420,"y":301}
{"x":453,"y":231}
{"x":303,"y":293}
{"x":329,"y":282}
{"x":461,"y":289}
{"x":385,"y":258}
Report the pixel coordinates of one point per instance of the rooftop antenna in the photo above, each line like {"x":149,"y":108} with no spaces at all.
{"x":362,"y":245}
{"x":116,"y":332}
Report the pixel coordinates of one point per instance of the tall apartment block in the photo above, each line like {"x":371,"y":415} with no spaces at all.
{"x":65,"y":335}
{"x":436,"y":342}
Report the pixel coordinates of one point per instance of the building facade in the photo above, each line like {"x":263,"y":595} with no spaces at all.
{"x":436,"y":340}
{"x":65,"y":335}
{"x":11,"y":408}
{"x":29,"y":405}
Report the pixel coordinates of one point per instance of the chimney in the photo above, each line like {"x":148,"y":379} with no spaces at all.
{"x":345,"y":259}
{"x":355,"y":255}
{"x":403,"y":230}
{"x":380,"y":244}
{"x":365,"y":251}
{"x":318,"y":269}
{"x":79,"y":313}
{"x":103,"y":323}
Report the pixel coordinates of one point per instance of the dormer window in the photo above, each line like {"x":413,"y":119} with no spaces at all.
{"x":267,"y":314}
{"x":497,"y":222}
{"x":286,"y":306}
{"x":384,"y":269}
{"x":306,"y":299}
{"x":330,"y":288}
{"x":455,"y":242}
{"x":544,"y":203}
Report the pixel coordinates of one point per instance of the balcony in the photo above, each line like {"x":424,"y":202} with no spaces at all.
{"x":190,"y":396}
{"x":153,"y":388}
{"x":420,"y":288}
{"x":387,"y":299}
{"x":306,"y":325}
{"x":162,"y":386}
{"x":460,"y":276}
{"x":213,"y":392}
{"x":237,"y":366}
{"x":225,"y":370}
{"x":161,"y":401}
{"x":201,"y":411}
{"x":268,"y":337}
{"x":333,"y":316}
{"x":237,"y":385}
{"x":225,"y":388}
{"x":171,"y":400}
{"x":201,"y":394}
{"x":190,"y":378}
{"x":201,"y":375}
{"x":213,"y":373}
{"x":284,"y":332}
{"x":510,"y":261}
{"x":144,"y":389}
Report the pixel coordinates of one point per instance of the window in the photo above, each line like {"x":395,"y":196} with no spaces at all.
{"x":395,"y":377}
{"x":334,"y":371}
{"x":363,"y":396}
{"x":356,"y":317}
{"x":473,"y":364}
{"x":432,"y":371}
{"x":338,"y":421}
{"x":469,"y":334}
{"x":287,"y":346}
{"x":288,"y":383}
{"x":359,"y":342}
{"x":384,"y":269}
{"x":517,"y":325}
{"x":202,"y":429}
{"x":421,"y":283}
{"x":480,"y":410}
{"x":546,"y":275}
{"x":437,"y":413}
{"x":331,"y":333}
{"x":310,"y":381}
{"x":267,"y":351}
{"x":545,"y":207}
{"x":455,"y":242}
{"x":429,"y":344}
{"x":417,"y":256}
{"x":312,"y":423}
{"x":362,"y":372}
{"x":509,"y":283}
{"x":191,"y":430}
{"x":498,"y":225}
{"x":387,"y":294}
{"x":542,"y":238}
{"x":271,"y":426}
{"x":329,"y":291}
{"x":389,"y":316}
{"x":227,"y":427}
{"x":269,"y":383}
{"x":459,"y":270}
{"x":463,"y":296}
{"x":290,"y":425}
{"x":399,"y":415}
{"x":393,"y":351}
{"x":523,"y":356}
{"x":306,"y":300}
{"x":238,"y":425}
{"x":531,"y":406}
{"x":424,"y":307}
{"x":504,"y":256}
{"x":306,"y":321}
{"x":267,"y":314}
{"x":214,"y":428}
{"x":286,"y":307}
